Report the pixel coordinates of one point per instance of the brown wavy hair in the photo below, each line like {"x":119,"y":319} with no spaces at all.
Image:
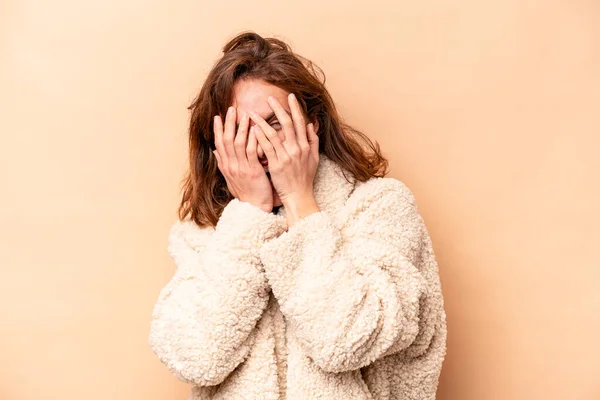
{"x":250,"y":56}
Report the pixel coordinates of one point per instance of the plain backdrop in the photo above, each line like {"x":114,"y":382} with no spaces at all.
{"x":487,"y":110}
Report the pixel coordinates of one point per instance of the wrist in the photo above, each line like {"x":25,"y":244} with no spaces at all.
{"x":266,"y":207}
{"x":300,"y":207}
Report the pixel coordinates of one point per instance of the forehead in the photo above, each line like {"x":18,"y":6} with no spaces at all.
{"x":252,"y":95}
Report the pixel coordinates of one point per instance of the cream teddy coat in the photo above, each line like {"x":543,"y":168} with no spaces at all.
{"x":344,"y":305}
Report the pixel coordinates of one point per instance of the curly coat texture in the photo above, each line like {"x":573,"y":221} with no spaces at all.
{"x":345,"y":305}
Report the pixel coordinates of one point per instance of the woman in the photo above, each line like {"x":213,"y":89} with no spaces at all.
{"x":302,"y":272}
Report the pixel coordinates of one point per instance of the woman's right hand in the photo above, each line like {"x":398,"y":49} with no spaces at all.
{"x":237,"y":160}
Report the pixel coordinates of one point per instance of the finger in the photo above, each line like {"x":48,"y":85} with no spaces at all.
{"x":313,"y":141}
{"x":298,"y":118}
{"x":240,"y":140}
{"x":266,"y":145}
{"x":284,"y":119}
{"x":229,"y":134}
{"x":218,"y":131}
{"x":219,"y":164}
{"x":251,"y":152}
{"x":271,"y":136}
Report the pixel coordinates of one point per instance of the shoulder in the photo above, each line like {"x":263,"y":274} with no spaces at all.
{"x":385,"y":209}
{"x":186,"y":234}
{"x":381,"y":190}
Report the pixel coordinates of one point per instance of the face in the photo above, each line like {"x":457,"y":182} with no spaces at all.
{"x":251,"y":95}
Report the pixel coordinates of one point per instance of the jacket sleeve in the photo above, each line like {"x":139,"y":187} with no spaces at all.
{"x":203,"y":322}
{"x":350,"y":289}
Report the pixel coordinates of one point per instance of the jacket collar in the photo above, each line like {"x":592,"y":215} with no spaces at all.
{"x":330,"y":188}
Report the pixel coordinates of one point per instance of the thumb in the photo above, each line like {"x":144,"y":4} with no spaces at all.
{"x":313,"y":140}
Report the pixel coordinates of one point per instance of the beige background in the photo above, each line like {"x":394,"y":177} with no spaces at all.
{"x":487,"y":110}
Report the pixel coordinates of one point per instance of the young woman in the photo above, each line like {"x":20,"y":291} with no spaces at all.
{"x":302,"y":271}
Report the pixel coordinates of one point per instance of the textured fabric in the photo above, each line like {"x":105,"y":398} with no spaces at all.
{"x":345,"y":304}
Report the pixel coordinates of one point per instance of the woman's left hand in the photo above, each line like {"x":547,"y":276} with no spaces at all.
{"x":292,"y":163}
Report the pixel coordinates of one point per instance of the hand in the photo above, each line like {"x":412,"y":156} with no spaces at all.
{"x":292,"y":163}
{"x":238,"y":162}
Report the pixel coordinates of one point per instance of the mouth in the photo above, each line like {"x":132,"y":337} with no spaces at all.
{"x":265,"y":164}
